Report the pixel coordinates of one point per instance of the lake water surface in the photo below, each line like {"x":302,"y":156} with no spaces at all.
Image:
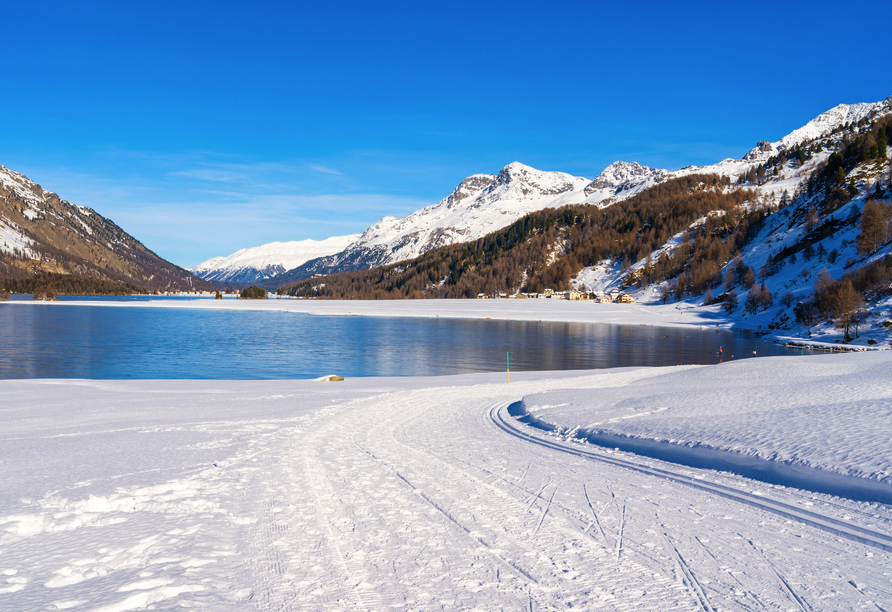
{"x":55,"y":341}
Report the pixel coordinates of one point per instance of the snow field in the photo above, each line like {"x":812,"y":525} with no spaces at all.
{"x":373,"y":494}
{"x":831,"y":412}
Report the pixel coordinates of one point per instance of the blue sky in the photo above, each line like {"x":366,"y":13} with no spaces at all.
{"x":202,"y":128}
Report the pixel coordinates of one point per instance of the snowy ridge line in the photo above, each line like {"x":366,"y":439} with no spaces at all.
{"x":813,"y":519}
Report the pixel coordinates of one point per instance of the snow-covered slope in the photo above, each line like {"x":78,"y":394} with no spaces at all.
{"x":791,"y":252}
{"x":13,"y":238}
{"x":479,"y":205}
{"x":265,"y":261}
{"x":41,"y":232}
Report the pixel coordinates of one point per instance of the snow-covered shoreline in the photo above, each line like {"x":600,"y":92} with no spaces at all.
{"x":560,"y":311}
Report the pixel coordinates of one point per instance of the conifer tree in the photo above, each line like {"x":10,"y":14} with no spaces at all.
{"x":849,"y":306}
{"x":840,"y":176}
{"x":874,"y":227}
{"x":730,"y":302}
{"x":753,"y":301}
{"x":729,"y":279}
{"x":765,"y":297}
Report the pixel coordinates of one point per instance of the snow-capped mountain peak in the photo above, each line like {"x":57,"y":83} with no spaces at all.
{"x":525,"y":182}
{"x":621,"y":176}
{"x":819,"y":127}
{"x":472,"y":185}
{"x":481,"y":203}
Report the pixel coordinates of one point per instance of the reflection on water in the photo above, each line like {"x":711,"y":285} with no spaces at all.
{"x":120,"y":343}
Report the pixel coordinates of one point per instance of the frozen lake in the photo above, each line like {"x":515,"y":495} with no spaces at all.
{"x":99,"y":342}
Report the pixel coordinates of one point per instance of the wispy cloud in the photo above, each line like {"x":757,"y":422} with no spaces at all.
{"x":324,"y":169}
{"x":190,"y":206}
{"x":207,"y":174}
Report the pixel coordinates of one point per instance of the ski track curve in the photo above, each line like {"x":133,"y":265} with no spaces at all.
{"x":418,"y":500}
{"x":837,"y":527}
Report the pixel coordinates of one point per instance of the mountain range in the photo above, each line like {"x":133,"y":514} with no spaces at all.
{"x":483,"y":203}
{"x":268,"y":260}
{"x":794,"y":240}
{"x":41,"y":233}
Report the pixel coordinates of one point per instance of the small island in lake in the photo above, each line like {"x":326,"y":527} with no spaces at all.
{"x":252,"y":293}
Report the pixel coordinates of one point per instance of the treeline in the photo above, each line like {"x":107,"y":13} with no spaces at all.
{"x":547,"y":248}
{"x":63,"y":284}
